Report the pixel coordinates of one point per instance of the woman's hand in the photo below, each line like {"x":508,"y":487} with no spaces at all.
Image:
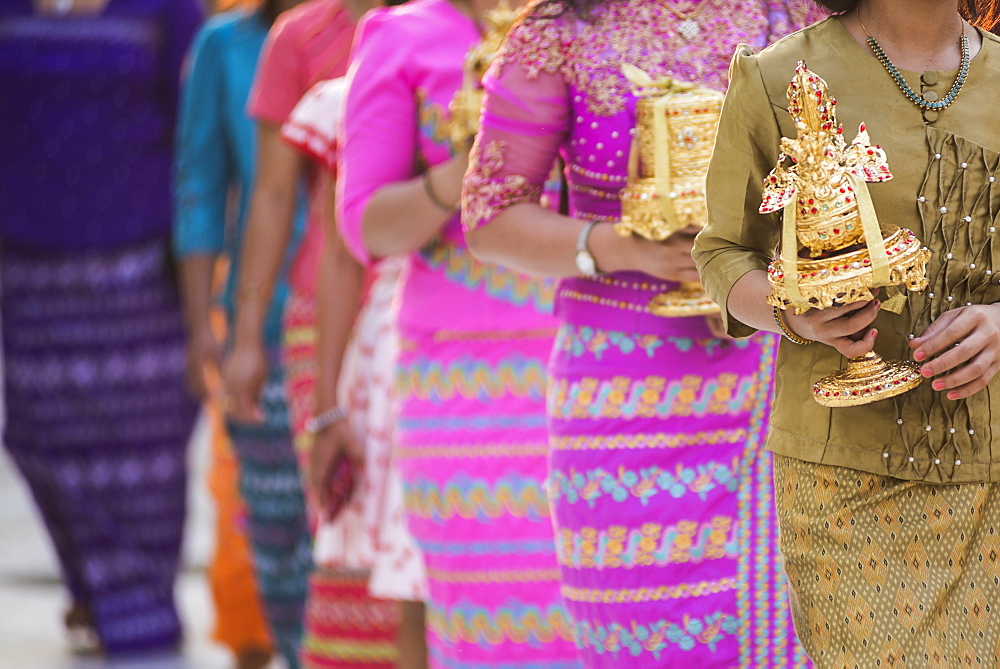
{"x":967,"y":343}
{"x":846,"y":328}
{"x":329,"y":445}
{"x":244,"y":372}
{"x":203,"y":352}
{"x":670,"y":259}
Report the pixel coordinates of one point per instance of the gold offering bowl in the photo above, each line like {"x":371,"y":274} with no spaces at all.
{"x":641,"y":212}
{"x":867,"y":378}
{"x":642,"y":216}
{"x":828,"y":226}
{"x":690,"y":118}
{"x":688,"y":299}
{"x":824,"y":194}
{"x":847,"y":277}
{"x":844,"y":279}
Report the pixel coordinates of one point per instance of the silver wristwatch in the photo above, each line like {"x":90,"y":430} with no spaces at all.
{"x":585,"y":262}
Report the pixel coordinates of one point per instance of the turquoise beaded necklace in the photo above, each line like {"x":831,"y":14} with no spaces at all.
{"x":912,"y":95}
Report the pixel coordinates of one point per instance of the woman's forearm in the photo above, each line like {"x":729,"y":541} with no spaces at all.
{"x":269,"y":229}
{"x":532,"y":239}
{"x":401,"y":217}
{"x":536,"y":240}
{"x":267,"y":236}
{"x":747,"y":301}
{"x":337,"y":301}
{"x":196,"y":274}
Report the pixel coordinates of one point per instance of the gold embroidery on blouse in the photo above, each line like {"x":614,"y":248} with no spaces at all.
{"x":483,"y":199}
{"x":589,"y":54}
{"x":536,"y":42}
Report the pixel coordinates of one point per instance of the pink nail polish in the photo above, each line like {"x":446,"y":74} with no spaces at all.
{"x":919,"y":355}
{"x":938,"y":385}
{"x":953,"y":396}
{"x":927,"y":373}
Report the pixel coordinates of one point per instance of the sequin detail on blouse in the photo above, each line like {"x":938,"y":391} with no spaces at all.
{"x":485,"y":198}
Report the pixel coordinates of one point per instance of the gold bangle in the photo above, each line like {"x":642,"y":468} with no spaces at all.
{"x":433,"y":197}
{"x":787,"y":331}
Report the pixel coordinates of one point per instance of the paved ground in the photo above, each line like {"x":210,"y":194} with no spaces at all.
{"x":32,"y":600}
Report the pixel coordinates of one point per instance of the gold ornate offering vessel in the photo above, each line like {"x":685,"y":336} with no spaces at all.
{"x":676,"y":124}
{"x":467,"y":104}
{"x":833,"y":251}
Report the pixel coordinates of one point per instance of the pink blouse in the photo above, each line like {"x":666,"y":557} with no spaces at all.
{"x":556,"y":87}
{"x":306,"y":45}
{"x":406,"y":67}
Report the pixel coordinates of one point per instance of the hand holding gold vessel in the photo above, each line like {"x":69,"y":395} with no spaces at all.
{"x":669,"y":259}
{"x":847,"y":328}
{"x":834,"y":255}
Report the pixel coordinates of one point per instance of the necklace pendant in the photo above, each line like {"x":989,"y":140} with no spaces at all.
{"x":689,"y":29}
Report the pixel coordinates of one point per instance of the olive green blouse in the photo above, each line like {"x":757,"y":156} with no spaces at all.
{"x":944,"y":189}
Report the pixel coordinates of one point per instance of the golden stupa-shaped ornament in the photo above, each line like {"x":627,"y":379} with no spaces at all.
{"x":676,"y":124}
{"x":833,"y":251}
{"x":467,"y":103}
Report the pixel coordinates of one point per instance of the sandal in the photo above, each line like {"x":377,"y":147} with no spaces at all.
{"x":80,"y":632}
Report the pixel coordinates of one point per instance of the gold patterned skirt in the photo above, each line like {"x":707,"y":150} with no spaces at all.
{"x":890,"y":573}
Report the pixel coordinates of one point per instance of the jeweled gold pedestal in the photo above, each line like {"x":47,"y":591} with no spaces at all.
{"x":688,"y":299}
{"x":867,"y":378}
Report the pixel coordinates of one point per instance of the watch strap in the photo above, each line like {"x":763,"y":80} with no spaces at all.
{"x":581,"y":239}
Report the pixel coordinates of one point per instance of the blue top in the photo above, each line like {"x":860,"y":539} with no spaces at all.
{"x":216,"y":152}
{"x":87,"y":107}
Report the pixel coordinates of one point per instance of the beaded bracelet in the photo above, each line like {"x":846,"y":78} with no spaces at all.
{"x":324,"y":420}
{"x":787,"y":331}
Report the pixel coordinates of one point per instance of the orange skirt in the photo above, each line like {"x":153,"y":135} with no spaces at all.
{"x":239,"y":622}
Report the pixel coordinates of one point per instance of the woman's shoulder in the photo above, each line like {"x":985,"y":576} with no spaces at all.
{"x":991,"y":45}
{"x":228,"y":26}
{"x":411,"y":20}
{"x":217,"y":33}
{"x":775,"y":65}
{"x":538,"y":39}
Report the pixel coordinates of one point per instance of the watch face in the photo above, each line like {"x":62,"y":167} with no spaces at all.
{"x":585,"y":263}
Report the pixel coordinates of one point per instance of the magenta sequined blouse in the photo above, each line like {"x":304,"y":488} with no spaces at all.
{"x":556,"y":88}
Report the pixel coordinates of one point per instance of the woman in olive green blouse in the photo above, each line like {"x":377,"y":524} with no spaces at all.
{"x":889,"y":512}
